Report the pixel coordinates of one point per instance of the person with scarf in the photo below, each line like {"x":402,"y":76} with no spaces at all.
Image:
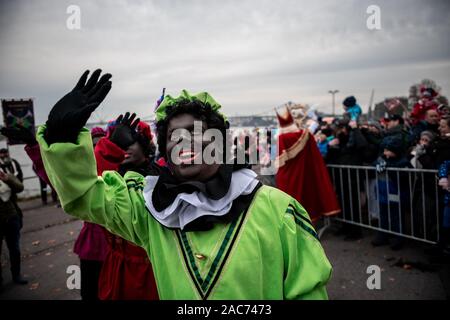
{"x":210,"y":229}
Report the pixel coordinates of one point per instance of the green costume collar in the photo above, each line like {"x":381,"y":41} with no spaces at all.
{"x":204,"y":97}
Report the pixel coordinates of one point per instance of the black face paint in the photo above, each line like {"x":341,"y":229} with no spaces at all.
{"x":195,"y":171}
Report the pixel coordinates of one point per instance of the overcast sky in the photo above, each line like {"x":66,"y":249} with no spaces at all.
{"x":250,"y":55}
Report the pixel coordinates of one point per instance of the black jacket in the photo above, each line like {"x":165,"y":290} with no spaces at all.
{"x":421,"y":127}
{"x":350,"y":150}
{"x":440,"y":151}
{"x":399,"y":132}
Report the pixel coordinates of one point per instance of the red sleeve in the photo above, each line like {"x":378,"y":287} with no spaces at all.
{"x":34,"y":152}
{"x":418,"y":111}
{"x":108,"y":155}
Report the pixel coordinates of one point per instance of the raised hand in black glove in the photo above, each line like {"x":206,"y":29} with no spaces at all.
{"x":70,"y":114}
{"x":19,"y":133}
{"x":124,"y":133}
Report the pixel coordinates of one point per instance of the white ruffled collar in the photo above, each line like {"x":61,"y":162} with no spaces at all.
{"x":188,"y":207}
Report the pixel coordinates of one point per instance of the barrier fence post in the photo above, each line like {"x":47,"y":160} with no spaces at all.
{"x":392,"y":213}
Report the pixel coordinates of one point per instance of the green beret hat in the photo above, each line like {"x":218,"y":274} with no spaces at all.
{"x":204,"y":97}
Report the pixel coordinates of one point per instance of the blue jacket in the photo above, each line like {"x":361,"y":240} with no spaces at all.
{"x":354,"y":112}
{"x":323,"y":147}
{"x":387,"y":181}
{"x":444,"y":171}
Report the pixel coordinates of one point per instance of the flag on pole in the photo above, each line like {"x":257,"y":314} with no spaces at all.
{"x":158,"y":102}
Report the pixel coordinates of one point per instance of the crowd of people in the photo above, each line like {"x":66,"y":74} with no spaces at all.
{"x":419,"y":140}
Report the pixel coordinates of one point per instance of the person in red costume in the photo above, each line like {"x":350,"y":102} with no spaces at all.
{"x":91,"y":246}
{"x":301,"y":170}
{"x":127,"y":273}
{"x":426,"y":102}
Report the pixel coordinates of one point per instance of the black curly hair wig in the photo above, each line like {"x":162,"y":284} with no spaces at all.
{"x":349,"y":101}
{"x":199,"y":110}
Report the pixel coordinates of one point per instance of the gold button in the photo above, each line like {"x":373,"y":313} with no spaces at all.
{"x":200,"y":256}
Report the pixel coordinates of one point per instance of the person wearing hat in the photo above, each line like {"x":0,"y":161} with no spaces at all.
{"x":423,"y":199}
{"x":352,"y":109}
{"x":211,"y":230}
{"x":127,"y":272}
{"x":421,"y":155}
{"x":429,"y":123}
{"x":323,"y":138}
{"x":97,"y":133}
{"x":444,"y":110}
{"x":391,"y":190}
{"x":426,"y":102}
{"x":395,"y":127}
{"x":348,"y":148}
{"x":375,"y":126}
{"x":373,"y":132}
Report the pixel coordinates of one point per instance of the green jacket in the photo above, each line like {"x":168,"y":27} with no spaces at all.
{"x":270,"y":252}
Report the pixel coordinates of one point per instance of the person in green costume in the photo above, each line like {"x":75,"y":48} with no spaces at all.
{"x":211,"y":231}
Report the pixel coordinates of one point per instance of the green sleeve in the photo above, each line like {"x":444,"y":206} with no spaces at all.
{"x":306,"y":267}
{"x":112,"y":201}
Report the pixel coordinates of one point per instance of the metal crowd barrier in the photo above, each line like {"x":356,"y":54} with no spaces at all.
{"x":402,"y":202}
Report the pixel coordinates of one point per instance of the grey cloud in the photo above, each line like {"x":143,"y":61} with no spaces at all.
{"x":251,"y":55}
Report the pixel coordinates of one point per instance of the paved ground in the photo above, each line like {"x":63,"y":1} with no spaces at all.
{"x":405,"y":274}
{"x":47,"y":240}
{"x":48,"y":236}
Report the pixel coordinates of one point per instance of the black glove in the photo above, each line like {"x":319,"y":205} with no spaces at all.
{"x":124,"y":133}
{"x":19,"y":133}
{"x":70,"y":114}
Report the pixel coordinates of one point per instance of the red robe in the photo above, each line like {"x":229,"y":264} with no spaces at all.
{"x":302,"y":174}
{"x":127,"y":273}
